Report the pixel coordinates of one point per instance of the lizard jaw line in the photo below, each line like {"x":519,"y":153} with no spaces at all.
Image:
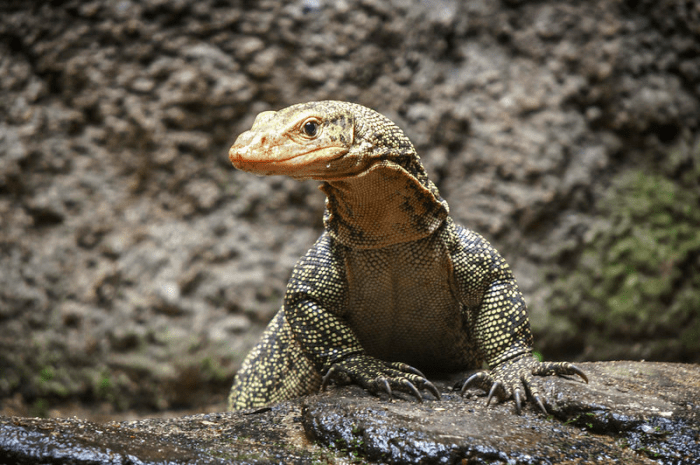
{"x":304,"y":165}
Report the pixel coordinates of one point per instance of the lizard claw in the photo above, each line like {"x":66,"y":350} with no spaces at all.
{"x":432,"y":389}
{"x":559,"y":368}
{"x":509,"y":378}
{"x":518,"y":402}
{"x":480,"y":379}
{"x":425,"y":384}
{"x":378,"y":376}
{"x":414,"y":390}
{"x":496,"y":388}
{"x":387,"y":387}
{"x":540,"y":404}
{"x":579,"y":372}
{"x":333,"y":373}
{"x":409,"y":369}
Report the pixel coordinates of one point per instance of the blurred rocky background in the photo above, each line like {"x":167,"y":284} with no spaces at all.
{"x":137,"y":267}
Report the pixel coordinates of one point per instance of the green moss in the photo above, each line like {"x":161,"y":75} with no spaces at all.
{"x":46,"y":374}
{"x":212,"y":370}
{"x":53,"y":383}
{"x":637,"y":277}
{"x":40,"y":408}
{"x":103,"y":387}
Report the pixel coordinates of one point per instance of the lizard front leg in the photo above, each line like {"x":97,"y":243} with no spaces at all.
{"x":503,"y":335}
{"x":336,"y":352}
{"x":499,"y":320}
{"x":277,"y":369}
{"x":315,"y":302}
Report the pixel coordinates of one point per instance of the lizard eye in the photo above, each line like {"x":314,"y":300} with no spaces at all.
{"x":310,"y":128}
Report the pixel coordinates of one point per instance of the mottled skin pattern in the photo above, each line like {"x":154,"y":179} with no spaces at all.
{"x":393,"y":285}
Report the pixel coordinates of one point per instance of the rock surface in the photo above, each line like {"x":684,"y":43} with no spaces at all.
{"x":630,"y":412}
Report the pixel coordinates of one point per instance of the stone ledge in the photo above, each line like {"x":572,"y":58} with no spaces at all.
{"x":631,"y":412}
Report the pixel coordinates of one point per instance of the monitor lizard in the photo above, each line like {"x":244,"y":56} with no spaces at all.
{"x":393,"y":285}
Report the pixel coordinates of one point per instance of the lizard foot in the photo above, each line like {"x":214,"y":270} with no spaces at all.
{"x":514,"y":378}
{"x":378,"y":376}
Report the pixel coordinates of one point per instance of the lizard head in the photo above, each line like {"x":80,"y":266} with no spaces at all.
{"x":302,"y":141}
{"x":377,"y":190}
{"x":325,"y":141}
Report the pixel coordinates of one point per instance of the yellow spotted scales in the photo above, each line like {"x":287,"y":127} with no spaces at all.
{"x":393,"y":285}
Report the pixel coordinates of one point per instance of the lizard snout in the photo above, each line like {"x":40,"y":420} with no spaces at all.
{"x":240,"y":151}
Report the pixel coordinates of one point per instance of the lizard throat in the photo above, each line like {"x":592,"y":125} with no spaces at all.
{"x":383,"y":206}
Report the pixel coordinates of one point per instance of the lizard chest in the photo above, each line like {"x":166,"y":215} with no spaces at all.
{"x":402,"y":305}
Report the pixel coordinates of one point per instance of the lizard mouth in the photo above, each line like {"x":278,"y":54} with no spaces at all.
{"x":311,"y":163}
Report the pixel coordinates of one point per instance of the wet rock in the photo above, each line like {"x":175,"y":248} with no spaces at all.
{"x":616,"y":417}
{"x":631,"y":412}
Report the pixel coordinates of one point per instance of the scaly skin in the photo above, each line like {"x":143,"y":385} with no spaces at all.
{"x":392,"y":283}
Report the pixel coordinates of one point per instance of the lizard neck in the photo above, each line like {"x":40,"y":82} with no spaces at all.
{"x":382,"y":206}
